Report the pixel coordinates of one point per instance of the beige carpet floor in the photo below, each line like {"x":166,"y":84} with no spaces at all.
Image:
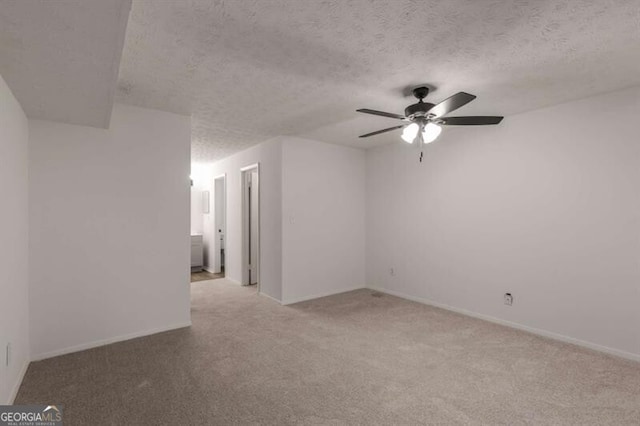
{"x":345,"y":359}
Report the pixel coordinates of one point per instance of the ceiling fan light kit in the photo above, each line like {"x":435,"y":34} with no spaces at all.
{"x":429,"y":132}
{"x":424,"y":119}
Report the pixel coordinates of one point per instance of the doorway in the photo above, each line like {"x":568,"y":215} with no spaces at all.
{"x":220,"y":223}
{"x":250,"y":178}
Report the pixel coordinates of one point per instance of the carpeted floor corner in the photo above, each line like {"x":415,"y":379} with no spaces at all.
{"x":344,"y":359}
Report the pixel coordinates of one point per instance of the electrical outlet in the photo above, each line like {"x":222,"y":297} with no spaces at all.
{"x":8,"y":355}
{"x":508,"y":299}
{"x":392,"y":272}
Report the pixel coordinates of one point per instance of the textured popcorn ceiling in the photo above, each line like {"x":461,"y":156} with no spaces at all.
{"x":248,"y":70}
{"x":61,"y":57}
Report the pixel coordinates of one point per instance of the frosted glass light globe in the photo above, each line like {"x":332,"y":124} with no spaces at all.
{"x":410,"y":132}
{"x":430,"y":133}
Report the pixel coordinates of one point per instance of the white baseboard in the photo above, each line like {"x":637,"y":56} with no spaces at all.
{"x":103,"y":342}
{"x":317,"y":296}
{"x":537,"y":331}
{"x":16,"y":386}
{"x":269,"y":297}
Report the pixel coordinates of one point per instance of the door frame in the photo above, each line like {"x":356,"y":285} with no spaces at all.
{"x":217,"y":257}
{"x":243,"y":231}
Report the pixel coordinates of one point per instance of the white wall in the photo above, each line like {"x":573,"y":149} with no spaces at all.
{"x":109,"y":229}
{"x":323,"y":208}
{"x":545,"y":206}
{"x":14,"y":243}
{"x":268,"y":154}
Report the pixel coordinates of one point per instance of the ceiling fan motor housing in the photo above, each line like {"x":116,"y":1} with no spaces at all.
{"x":418,"y":109}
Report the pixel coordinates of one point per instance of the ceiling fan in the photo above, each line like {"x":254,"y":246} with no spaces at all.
{"x":423,"y":119}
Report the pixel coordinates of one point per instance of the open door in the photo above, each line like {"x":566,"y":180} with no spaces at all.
{"x":251,"y":224}
{"x":220,"y":216}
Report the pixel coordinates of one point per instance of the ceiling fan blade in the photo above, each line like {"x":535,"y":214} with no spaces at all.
{"x":451,"y":104}
{"x":470,"y":121}
{"x":382,"y":113}
{"x":381,"y":131}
